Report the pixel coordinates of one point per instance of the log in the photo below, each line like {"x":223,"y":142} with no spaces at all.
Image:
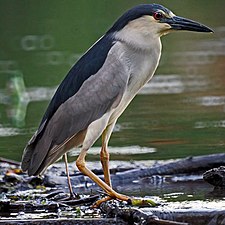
{"x":7,"y":207}
{"x":126,"y":214}
{"x":62,"y":221}
{"x":135,"y":216}
{"x":216,"y":177}
{"x":187,"y":165}
{"x":165,"y":215}
{"x":191,"y":216}
{"x":89,"y":200}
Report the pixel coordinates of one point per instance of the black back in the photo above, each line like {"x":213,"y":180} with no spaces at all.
{"x":85,"y":67}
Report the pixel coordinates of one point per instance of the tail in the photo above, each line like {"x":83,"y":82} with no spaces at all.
{"x":34,"y":154}
{"x":41,"y":151}
{"x":27,"y":156}
{"x":38,"y":155}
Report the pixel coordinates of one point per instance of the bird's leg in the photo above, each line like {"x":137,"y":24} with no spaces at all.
{"x":72,"y":195}
{"x":104,"y":156}
{"x":82,"y":167}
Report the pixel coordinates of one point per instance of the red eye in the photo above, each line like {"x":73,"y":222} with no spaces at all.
{"x":158,"y":15}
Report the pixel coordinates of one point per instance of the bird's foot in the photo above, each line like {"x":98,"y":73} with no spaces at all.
{"x":100,"y":201}
{"x":110,"y":196}
{"x":72,"y":196}
{"x":60,"y":195}
{"x":141,"y":202}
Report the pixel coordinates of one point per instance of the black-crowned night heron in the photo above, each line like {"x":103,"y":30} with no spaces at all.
{"x":99,"y":87}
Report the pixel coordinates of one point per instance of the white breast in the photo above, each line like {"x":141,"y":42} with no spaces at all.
{"x":142,"y":65}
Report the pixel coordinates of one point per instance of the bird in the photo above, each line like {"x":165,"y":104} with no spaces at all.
{"x":99,"y":87}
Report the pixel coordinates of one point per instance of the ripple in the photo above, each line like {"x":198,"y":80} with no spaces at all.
{"x":210,"y":100}
{"x":174,"y":84}
{"x":128,"y":150}
{"x":210,"y":124}
{"x":9,"y":131}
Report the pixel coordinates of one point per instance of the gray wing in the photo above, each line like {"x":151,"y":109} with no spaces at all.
{"x":97,"y":95}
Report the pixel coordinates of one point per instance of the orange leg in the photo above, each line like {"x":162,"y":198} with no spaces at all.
{"x":104,"y":156}
{"x":82,"y":167}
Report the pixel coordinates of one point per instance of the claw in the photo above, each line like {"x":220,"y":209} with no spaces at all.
{"x":141,"y":202}
{"x":131,"y":201}
{"x":71,"y":197}
{"x":100,"y":201}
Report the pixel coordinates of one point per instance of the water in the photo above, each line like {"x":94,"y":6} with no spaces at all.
{"x":180,"y":113}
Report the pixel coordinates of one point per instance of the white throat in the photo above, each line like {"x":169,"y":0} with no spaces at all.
{"x":142,"y":33}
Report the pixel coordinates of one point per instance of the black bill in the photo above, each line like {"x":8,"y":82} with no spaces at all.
{"x":179,"y":23}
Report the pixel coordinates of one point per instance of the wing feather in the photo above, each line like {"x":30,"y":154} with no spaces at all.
{"x":88,"y":65}
{"x":97,"y":95}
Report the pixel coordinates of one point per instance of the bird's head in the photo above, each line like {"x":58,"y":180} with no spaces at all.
{"x":152,"y":21}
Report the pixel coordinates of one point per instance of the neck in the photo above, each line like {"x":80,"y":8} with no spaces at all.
{"x":141,"y":58}
{"x":141,"y":34}
{"x":138,"y":41}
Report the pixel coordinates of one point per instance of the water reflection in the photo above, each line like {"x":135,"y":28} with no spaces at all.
{"x":128,"y":150}
{"x":15,"y":99}
{"x":210,"y":101}
{"x":9,"y":131}
{"x":210,"y":124}
{"x":174,"y":84}
{"x":35,"y":42}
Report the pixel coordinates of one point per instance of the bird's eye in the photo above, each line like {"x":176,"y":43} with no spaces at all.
{"x":158,"y":15}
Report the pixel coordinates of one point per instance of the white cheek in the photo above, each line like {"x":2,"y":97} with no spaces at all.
{"x":141,"y":32}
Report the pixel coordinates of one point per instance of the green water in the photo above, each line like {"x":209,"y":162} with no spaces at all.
{"x":182,"y":111}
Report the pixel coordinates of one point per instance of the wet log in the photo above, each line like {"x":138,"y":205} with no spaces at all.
{"x":187,"y":165}
{"x":135,"y":216}
{"x":26,"y":207}
{"x":165,"y":215}
{"x":190,"y":215}
{"x":78,"y":221}
{"x":7,"y":207}
{"x":216,"y":177}
{"x":87,"y":200}
{"x":159,"y":215}
{"x":182,"y":166}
